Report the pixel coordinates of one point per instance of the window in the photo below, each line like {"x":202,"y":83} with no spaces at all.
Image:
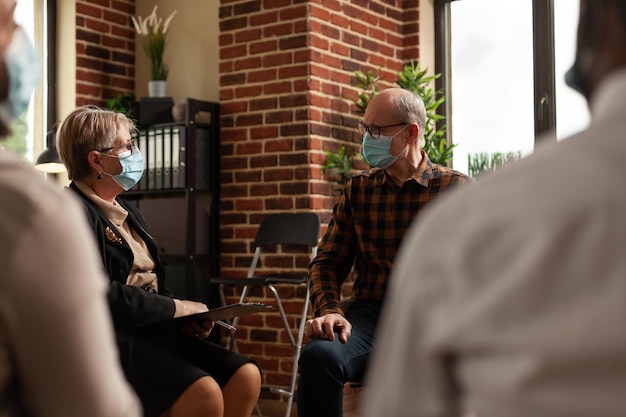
{"x":503,"y":65}
{"x":37,"y":18}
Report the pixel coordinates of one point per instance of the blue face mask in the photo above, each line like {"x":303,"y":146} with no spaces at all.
{"x":22,"y":64}
{"x":132,"y":168}
{"x":377,"y":152}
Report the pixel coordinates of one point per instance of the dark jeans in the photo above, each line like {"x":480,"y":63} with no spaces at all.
{"x":325,"y":366}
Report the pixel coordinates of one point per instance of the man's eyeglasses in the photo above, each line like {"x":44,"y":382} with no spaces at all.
{"x":374,"y":130}
{"x":130,"y":146}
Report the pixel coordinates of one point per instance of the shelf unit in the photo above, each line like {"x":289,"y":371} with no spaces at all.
{"x":179,"y":196}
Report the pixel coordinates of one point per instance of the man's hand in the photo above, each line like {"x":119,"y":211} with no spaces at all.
{"x":325,"y":326}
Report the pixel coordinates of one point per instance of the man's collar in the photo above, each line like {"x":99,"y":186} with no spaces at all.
{"x":422,"y":174}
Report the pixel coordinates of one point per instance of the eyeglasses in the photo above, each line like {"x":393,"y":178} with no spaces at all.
{"x":374,"y":130}
{"x":130,"y":146}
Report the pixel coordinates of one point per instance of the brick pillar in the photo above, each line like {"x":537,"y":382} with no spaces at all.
{"x":287,"y":93}
{"x":105,"y":50}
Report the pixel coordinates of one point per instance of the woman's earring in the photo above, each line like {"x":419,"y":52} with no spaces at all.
{"x":99,"y":177}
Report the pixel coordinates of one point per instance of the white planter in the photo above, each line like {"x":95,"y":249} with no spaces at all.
{"x":157,"y":88}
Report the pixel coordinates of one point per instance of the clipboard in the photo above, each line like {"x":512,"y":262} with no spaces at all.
{"x":226,"y":312}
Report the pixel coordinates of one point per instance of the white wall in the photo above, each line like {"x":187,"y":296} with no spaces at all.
{"x":427,"y":35}
{"x":66,"y":57}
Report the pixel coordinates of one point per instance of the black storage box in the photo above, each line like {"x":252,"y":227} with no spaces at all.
{"x":155,"y":110}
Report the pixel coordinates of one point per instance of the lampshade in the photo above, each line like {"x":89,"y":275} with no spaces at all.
{"x":49,"y":160}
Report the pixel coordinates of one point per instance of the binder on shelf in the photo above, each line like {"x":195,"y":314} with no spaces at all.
{"x":151,"y":160}
{"x":168,"y":146}
{"x":141,"y":143}
{"x":159,"y":143}
{"x":178,"y":159}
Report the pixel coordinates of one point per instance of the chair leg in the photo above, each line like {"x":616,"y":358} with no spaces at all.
{"x":231,"y":343}
{"x":296,"y":344}
{"x":297,"y":350}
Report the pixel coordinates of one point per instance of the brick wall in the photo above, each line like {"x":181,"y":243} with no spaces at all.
{"x":286,"y":94}
{"x":105,"y":50}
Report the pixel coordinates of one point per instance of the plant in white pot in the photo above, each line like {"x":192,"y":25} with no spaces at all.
{"x":154,"y":29}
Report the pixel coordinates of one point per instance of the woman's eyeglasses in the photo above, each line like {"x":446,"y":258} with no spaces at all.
{"x":130,"y":146}
{"x":374,"y":130}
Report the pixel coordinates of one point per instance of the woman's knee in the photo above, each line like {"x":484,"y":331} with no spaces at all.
{"x":246,"y":381}
{"x":202,"y":398}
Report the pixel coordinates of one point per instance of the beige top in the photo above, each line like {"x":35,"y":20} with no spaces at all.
{"x":141,"y":274}
{"x":58,"y":356}
{"x":509,"y":296}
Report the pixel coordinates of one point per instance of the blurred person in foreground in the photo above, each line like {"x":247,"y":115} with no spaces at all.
{"x":523,"y":312}
{"x":369,"y":221}
{"x":58,"y":356}
{"x":173,"y":369}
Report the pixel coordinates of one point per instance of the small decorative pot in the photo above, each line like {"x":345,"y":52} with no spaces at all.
{"x":157,"y":88}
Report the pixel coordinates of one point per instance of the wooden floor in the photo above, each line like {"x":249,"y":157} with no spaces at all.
{"x":276,"y":408}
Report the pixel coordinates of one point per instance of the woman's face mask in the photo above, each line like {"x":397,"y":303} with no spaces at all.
{"x":22,"y":64}
{"x":132,"y":168}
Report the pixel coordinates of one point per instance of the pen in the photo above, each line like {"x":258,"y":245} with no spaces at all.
{"x":226,"y":325}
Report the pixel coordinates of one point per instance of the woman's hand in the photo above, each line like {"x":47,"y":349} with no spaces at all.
{"x":325,"y":326}
{"x":192,"y":307}
{"x":200,"y":330}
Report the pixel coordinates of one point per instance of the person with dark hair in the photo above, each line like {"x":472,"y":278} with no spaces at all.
{"x":175,"y":371}
{"x":58,"y":356}
{"x":523,"y":312}
{"x":369,"y":221}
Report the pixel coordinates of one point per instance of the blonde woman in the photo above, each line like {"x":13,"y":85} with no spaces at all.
{"x":174,"y":370}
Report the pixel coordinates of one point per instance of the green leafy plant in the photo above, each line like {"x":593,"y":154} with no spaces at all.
{"x":413,"y":78}
{"x":340,"y":165}
{"x":481,"y":163}
{"x":123,"y":103}
{"x":370,"y":84}
{"x":17,"y":139}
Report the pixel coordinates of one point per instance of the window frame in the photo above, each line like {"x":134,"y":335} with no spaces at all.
{"x":543,"y":66}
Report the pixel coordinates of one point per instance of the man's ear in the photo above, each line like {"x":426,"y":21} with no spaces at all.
{"x":414,"y":132}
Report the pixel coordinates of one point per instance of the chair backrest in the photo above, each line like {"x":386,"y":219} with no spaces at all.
{"x":289,"y":229}
{"x":302,"y":229}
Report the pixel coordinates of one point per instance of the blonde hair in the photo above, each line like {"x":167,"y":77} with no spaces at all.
{"x":85,"y":129}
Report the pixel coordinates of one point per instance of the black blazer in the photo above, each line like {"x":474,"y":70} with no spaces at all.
{"x":130,"y":306}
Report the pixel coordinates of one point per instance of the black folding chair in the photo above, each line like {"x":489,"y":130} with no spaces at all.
{"x":293,"y":229}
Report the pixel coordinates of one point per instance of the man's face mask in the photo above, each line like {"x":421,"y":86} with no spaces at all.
{"x":22,"y":64}
{"x":577,"y":77}
{"x":377,"y":152}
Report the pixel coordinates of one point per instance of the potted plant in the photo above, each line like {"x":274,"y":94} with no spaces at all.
{"x":154,"y":29}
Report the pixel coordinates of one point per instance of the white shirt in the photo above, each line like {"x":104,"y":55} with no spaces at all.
{"x":58,"y":356}
{"x":509,"y":295}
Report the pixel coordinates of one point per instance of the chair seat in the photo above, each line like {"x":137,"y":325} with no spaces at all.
{"x":255,"y":282}
{"x":261,"y":280}
{"x":283,"y":278}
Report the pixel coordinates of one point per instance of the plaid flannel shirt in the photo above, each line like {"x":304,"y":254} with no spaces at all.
{"x":370,"y":219}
